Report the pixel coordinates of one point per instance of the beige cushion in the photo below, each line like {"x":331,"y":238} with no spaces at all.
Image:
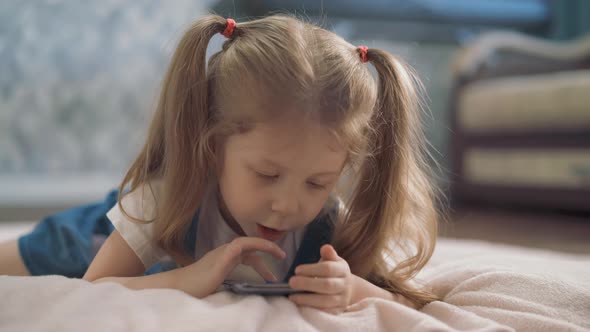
{"x":550,"y":101}
{"x":541,"y":168}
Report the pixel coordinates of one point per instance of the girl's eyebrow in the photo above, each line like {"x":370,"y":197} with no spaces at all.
{"x":273,"y":164}
{"x":334,"y":173}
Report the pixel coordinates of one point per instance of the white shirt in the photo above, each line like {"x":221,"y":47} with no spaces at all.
{"x":212,"y":232}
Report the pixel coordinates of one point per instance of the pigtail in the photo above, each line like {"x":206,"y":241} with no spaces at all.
{"x":392,"y":199}
{"x":178,"y":148}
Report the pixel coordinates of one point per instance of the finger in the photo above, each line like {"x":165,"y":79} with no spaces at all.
{"x":317,"y":300}
{"x":246,"y":244}
{"x":257,"y":263}
{"x":318,"y":285}
{"x":327,"y":269}
{"x":328,"y":253}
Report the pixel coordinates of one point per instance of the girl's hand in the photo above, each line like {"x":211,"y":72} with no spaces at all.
{"x":208,"y":273}
{"x":330,"y":279}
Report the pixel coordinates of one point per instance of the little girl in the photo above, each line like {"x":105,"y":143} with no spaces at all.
{"x":282,"y":158}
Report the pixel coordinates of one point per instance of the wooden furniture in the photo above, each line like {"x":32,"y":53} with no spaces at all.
{"x":521,"y":123}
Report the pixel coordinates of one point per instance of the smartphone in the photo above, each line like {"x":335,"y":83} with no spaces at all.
{"x":260,"y":288}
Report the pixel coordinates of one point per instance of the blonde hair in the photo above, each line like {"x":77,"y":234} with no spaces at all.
{"x":389,"y":197}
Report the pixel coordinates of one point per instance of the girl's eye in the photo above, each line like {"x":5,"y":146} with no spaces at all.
{"x":267,"y":176}
{"x":316,"y":186}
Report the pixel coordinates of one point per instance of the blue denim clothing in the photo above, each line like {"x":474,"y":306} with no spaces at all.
{"x":66,"y":242}
{"x":63,"y":243}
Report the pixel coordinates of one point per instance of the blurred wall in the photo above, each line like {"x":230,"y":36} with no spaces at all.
{"x":78,"y":83}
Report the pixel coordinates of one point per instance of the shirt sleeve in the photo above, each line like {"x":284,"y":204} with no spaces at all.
{"x":139,"y":204}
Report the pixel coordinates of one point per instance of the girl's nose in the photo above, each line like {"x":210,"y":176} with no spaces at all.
{"x":285,"y":202}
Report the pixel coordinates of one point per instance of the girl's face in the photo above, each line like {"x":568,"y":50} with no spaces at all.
{"x":276,"y":177}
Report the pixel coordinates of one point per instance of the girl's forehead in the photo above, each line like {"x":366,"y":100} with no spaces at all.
{"x":291,"y":142}
{"x":292,"y":133}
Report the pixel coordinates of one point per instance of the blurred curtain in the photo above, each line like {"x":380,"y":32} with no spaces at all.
{"x":571,"y":18}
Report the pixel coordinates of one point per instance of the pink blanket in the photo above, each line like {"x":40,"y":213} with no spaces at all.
{"x":484,"y":287}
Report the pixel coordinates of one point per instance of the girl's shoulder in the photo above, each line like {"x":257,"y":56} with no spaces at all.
{"x":140,"y":203}
{"x":133,"y":219}
{"x":328,"y":218}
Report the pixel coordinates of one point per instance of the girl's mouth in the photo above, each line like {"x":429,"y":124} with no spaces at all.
{"x":270,"y":234}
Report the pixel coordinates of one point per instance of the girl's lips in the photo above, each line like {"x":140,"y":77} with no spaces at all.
{"x":270,"y":234}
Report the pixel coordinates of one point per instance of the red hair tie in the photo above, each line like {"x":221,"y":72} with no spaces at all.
{"x":363,"y":51}
{"x":229,"y":28}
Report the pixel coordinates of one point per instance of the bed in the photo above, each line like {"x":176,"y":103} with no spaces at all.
{"x":483,"y":286}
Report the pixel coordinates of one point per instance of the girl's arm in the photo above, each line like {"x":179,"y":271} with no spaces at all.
{"x":174,"y":279}
{"x":115,"y":258}
{"x":116,"y":262}
{"x":332,"y":285}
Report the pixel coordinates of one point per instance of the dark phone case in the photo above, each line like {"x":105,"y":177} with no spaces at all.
{"x":264,"y":289}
